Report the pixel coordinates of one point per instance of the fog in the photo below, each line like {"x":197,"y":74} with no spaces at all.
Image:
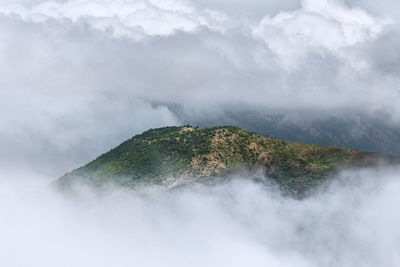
{"x":352,"y":222}
{"x":78,"y":77}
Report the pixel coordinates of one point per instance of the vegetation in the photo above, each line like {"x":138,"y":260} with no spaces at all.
{"x":176,"y":155}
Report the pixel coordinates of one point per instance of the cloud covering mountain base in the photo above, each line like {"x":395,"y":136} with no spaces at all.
{"x":80,"y":76}
{"x":354,"y":222}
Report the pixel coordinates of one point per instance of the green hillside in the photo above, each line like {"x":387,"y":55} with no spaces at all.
{"x":173,"y":156}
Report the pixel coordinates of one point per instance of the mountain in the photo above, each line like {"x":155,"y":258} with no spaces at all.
{"x":173,"y":156}
{"x":356,"y":131}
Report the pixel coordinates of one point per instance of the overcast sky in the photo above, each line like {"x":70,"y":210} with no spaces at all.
{"x":80,"y":76}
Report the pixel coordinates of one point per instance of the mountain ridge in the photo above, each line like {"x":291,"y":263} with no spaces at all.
{"x":176,"y":155}
{"x":351,"y":130}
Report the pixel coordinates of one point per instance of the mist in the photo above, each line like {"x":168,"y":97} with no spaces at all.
{"x":78,"y":77}
{"x":352,"y":221}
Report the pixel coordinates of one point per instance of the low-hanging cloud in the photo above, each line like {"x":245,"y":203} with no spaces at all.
{"x":353,"y":222}
{"x":82,"y":75}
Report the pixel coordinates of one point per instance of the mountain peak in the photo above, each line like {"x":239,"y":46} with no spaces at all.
{"x":175,"y":155}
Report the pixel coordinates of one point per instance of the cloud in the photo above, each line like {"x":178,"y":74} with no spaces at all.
{"x":240,"y":223}
{"x":252,"y":10}
{"x":318,"y":27}
{"x":79,"y":77}
{"x":57,"y":98}
{"x":135,"y":19}
{"x":390,"y":8}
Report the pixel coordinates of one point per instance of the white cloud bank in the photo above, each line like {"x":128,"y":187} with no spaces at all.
{"x":354,"y":223}
{"x":134,"y":19}
{"x":319,"y":26}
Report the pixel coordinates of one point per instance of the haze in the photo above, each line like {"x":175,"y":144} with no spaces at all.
{"x":78,"y":77}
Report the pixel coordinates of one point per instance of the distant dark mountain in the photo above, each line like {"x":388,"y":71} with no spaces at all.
{"x":173,"y":156}
{"x":352,"y":132}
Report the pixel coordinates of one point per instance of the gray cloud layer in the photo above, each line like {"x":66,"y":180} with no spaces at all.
{"x":82,"y":75}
